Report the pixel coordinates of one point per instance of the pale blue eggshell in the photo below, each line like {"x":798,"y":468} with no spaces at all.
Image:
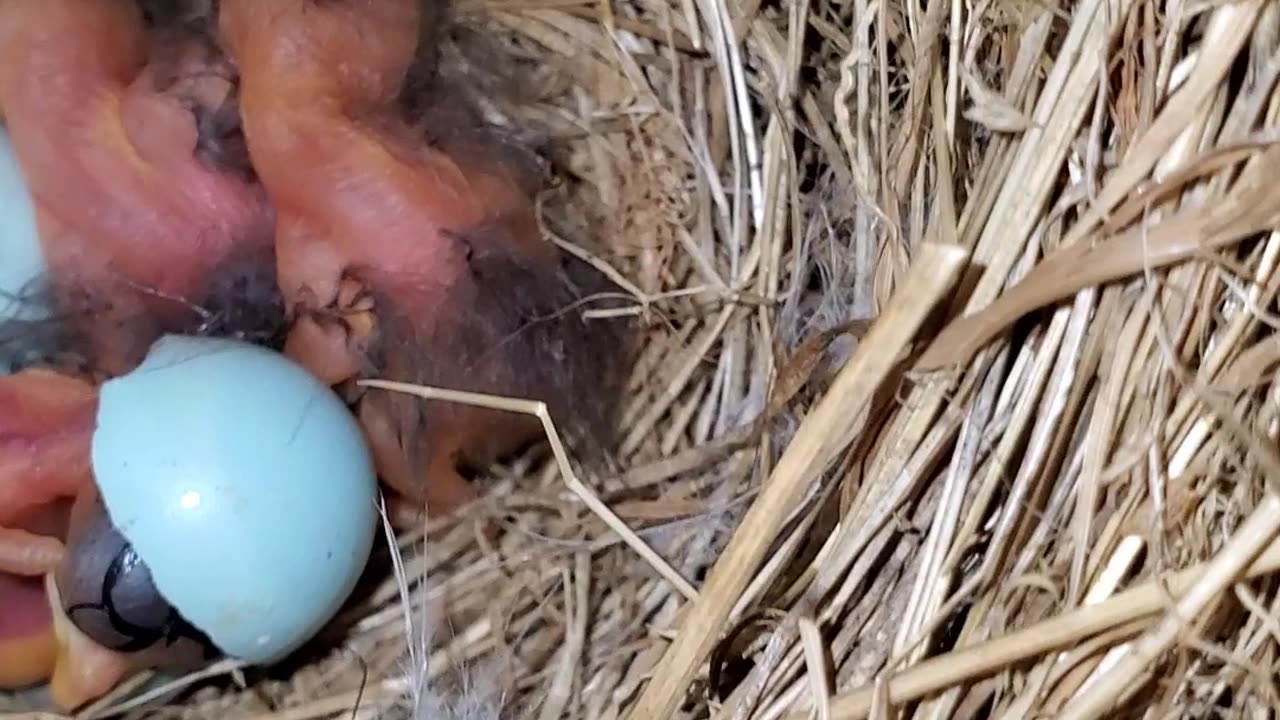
{"x":21,"y":258}
{"x":244,"y":484}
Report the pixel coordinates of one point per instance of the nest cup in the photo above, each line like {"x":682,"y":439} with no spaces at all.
{"x":1038,"y":482}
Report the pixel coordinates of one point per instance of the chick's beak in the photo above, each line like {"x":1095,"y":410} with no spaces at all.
{"x":83,"y":670}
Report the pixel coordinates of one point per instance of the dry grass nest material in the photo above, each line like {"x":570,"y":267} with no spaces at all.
{"x":959,"y":391}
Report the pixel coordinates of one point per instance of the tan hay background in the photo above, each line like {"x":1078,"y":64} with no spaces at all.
{"x":945,"y":528}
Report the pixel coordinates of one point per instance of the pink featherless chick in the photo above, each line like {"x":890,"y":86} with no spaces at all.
{"x":408,"y":244}
{"x":150,"y":221}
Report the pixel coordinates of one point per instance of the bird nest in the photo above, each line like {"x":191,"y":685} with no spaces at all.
{"x":956,"y":396}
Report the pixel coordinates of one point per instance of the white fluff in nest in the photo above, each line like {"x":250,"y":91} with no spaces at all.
{"x":476,"y":701}
{"x":479,"y":696}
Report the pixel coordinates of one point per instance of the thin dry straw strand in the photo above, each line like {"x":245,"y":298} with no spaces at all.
{"x":984,"y":658}
{"x":821,"y":435}
{"x":1258,"y":530}
{"x":817,"y":661}
{"x":540,"y":411}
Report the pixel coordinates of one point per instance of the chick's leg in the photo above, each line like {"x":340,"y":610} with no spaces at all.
{"x":46,"y":422}
{"x":45,"y":432}
{"x":28,"y":554}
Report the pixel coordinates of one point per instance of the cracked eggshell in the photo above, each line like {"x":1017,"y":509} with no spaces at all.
{"x":21,"y":257}
{"x":244,"y":484}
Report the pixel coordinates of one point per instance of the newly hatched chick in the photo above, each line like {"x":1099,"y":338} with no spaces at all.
{"x":149,"y":221}
{"x":140,"y":225}
{"x":407,"y":242}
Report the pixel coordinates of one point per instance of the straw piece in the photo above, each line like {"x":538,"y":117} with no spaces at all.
{"x":540,"y":411}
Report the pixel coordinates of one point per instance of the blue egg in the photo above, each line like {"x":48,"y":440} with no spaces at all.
{"x":21,"y":258}
{"x":244,"y":484}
